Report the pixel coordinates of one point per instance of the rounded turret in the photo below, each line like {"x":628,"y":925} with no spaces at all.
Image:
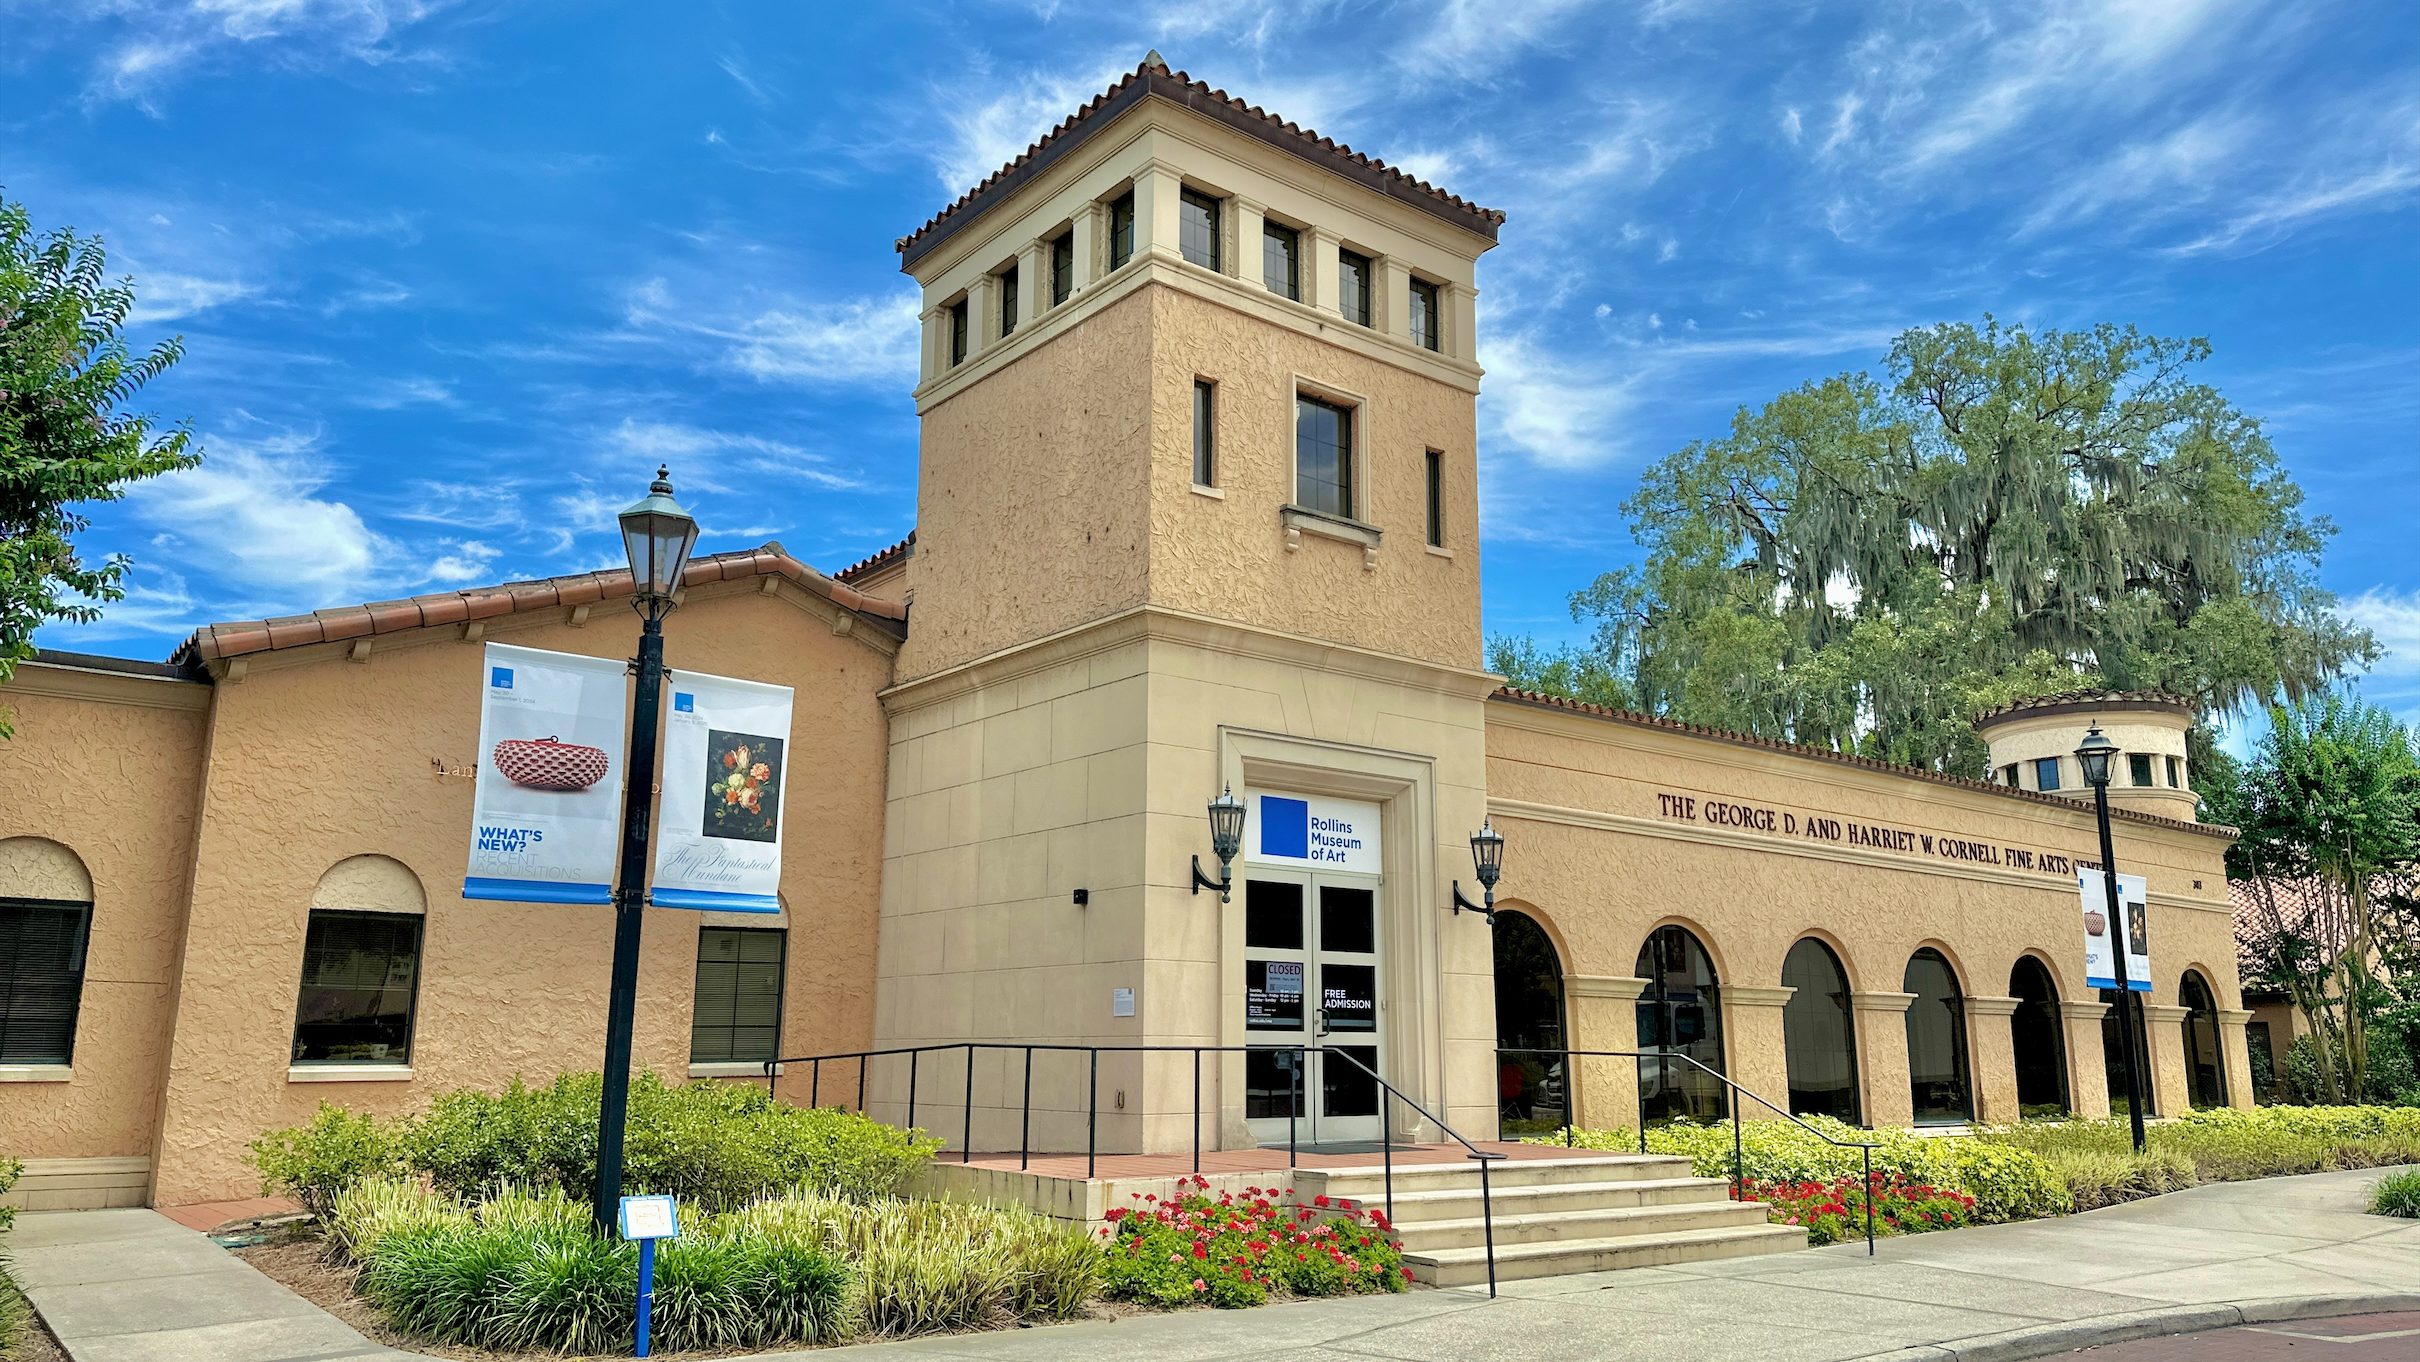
{"x":2033,"y":746}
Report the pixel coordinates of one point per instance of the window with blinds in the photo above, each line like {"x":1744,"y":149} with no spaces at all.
{"x":361,"y":976}
{"x":738,"y":1015}
{"x":41,"y":978}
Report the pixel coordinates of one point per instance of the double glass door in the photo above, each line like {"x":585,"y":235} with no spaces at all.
{"x":1312,"y":978}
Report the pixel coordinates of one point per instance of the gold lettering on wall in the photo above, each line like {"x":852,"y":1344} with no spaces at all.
{"x":1814,"y":827}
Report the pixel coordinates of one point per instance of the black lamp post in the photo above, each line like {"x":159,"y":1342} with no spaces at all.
{"x":2096,"y":754}
{"x":1226,"y":839}
{"x":1487,"y":862}
{"x":658,"y":535}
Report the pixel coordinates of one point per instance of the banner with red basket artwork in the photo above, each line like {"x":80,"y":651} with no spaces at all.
{"x":546,"y":811}
{"x":718,"y":843}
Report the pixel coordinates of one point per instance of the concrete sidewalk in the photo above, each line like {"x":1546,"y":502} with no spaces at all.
{"x":130,"y":1286}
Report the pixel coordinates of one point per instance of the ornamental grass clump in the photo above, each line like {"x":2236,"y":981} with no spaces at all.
{"x":2397,"y":1194}
{"x":1232,"y":1251}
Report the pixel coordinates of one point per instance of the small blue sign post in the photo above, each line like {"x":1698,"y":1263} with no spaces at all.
{"x":647,"y":1219}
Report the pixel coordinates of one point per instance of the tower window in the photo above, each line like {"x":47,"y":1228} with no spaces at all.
{"x":2046,"y":773}
{"x":1436,"y":499}
{"x":1424,"y":314}
{"x":958,"y":333}
{"x":1205,"y":433}
{"x":1121,"y":229}
{"x":2176,"y":779}
{"x":2138,"y":768}
{"x":1353,"y":286}
{"x":1323,"y":457}
{"x":2008,"y":776}
{"x":1062,"y":267}
{"x":1008,"y":300}
{"x":1197,"y":228}
{"x":1281,"y":259}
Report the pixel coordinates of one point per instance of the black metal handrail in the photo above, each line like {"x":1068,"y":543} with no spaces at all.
{"x":1738,"y":1157}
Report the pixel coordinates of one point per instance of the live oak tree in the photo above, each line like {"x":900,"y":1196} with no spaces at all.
{"x":64,"y":441}
{"x":1866,"y":562}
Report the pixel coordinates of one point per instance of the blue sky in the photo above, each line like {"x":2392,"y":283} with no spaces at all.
{"x":453,"y":277}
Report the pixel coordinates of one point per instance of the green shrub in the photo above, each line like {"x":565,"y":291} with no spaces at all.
{"x":317,"y":1160}
{"x":2006,"y":1183}
{"x":1231,"y":1250}
{"x":10,"y":1171}
{"x":2106,"y":1177}
{"x":365,"y":1213}
{"x":2397,"y":1194}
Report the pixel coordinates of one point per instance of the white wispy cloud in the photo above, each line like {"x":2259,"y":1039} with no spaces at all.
{"x":167,"y":40}
{"x":687,"y":447}
{"x":2392,"y":615}
{"x":257,"y":512}
{"x":166,"y":296}
{"x":789,"y":339}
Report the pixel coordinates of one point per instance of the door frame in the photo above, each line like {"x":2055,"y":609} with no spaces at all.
{"x":1313,"y":1125}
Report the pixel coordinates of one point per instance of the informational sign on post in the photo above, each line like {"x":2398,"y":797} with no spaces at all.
{"x":646,"y":1219}
{"x":546,"y":810}
{"x":2105,"y":926}
{"x":726,"y":747}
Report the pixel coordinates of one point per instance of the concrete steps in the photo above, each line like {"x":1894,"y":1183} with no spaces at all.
{"x":1556,"y":1216}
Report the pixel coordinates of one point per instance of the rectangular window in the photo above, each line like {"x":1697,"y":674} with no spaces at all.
{"x":2176,"y":779}
{"x":1353,"y":287}
{"x":2138,"y":768}
{"x":1197,"y":228}
{"x":1424,"y":314}
{"x":1008,"y":300}
{"x":1281,"y":259}
{"x":2046,"y":773}
{"x":41,"y":978}
{"x":1062,"y":267}
{"x":1205,"y":433}
{"x":2008,"y":776}
{"x":361,"y":972}
{"x":958,"y":333}
{"x":1323,"y":457}
{"x":1436,"y":499}
{"x":1121,"y":229}
{"x":737,"y":1018}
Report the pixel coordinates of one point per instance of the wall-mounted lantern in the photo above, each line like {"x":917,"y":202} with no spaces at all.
{"x":1487,"y":861}
{"x":1226,"y":839}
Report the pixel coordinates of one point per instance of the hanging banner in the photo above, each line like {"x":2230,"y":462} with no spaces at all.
{"x":546,"y":809}
{"x":1311,"y":832}
{"x":718,"y":844}
{"x":2103,"y":929}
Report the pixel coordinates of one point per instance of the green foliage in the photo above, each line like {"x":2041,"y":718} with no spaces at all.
{"x":10,"y":1171}
{"x":64,"y":374}
{"x":316,"y":1161}
{"x":1571,"y":671}
{"x":1863,"y":562}
{"x":1235,"y":1250}
{"x":2223,"y":1144}
{"x":1833,"y":1210}
{"x":927,"y":1266}
{"x":2397,"y":1194}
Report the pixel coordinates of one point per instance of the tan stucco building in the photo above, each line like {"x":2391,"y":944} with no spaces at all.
{"x":1197,"y":511}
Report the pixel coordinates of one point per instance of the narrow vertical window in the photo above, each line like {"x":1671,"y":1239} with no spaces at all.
{"x":2046,"y":773}
{"x":1323,"y":457}
{"x":2175,"y":781}
{"x":41,"y":978}
{"x":1424,"y":314}
{"x":2138,"y":768}
{"x":1353,"y":286}
{"x":1008,"y":300}
{"x":1062,"y":267}
{"x":1436,"y":499}
{"x":1197,"y":228}
{"x":958,"y":333}
{"x":1281,"y":259}
{"x":1205,"y":433}
{"x":361,"y":976}
{"x":1121,"y":229}
{"x":737,"y":1016}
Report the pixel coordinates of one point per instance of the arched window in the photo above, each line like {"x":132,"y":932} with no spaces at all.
{"x":1680,"y":1010}
{"x":2039,"y":1041}
{"x":1531,"y":1077}
{"x":1936,"y":1042}
{"x":45,"y":924}
{"x":2113,"y":1056}
{"x":2205,"y":1063}
{"x":1818,"y":1033}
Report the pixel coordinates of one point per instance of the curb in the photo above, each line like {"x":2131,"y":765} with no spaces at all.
{"x":2043,"y":1340}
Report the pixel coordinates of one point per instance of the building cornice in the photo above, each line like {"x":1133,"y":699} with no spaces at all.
{"x":94,"y":679}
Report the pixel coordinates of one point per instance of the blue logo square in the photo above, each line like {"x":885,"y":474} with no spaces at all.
{"x":683,"y":702}
{"x":1285,"y":827}
{"x":500,"y":677}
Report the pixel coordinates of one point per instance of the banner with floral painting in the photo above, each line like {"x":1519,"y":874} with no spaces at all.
{"x":718,"y":842}
{"x":546,"y":810}
{"x":2103,"y":929}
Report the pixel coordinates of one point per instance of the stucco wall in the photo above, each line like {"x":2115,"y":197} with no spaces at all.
{"x":115,"y":783}
{"x":319,"y":759}
{"x":2023,"y":739}
{"x":1599,"y":845}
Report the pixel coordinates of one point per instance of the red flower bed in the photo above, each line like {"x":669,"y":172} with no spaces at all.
{"x":1235,"y":1250}
{"x":1834,"y":1209}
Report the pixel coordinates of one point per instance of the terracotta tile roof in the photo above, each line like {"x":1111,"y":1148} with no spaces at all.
{"x":876,"y":562}
{"x":1530,"y":697}
{"x":2077,"y":701}
{"x":216,"y":642}
{"x":1152,"y":79}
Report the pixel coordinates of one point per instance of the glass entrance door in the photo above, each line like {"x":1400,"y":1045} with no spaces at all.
{"x":1312,"y":978}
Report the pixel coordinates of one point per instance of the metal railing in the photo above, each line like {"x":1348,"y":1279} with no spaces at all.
{"x":1738,"y":1156}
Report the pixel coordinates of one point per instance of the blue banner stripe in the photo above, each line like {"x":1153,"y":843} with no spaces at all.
{"x":714,"y":901}
{"x":535,"y":891}
{"x":2132,"y":985}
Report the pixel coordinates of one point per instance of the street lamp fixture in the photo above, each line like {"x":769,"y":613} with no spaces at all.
{"x":1487,"y":861}
{"x":1226,"y":839}
{"x":2096,"y":755}
{"x":658,"y":536}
